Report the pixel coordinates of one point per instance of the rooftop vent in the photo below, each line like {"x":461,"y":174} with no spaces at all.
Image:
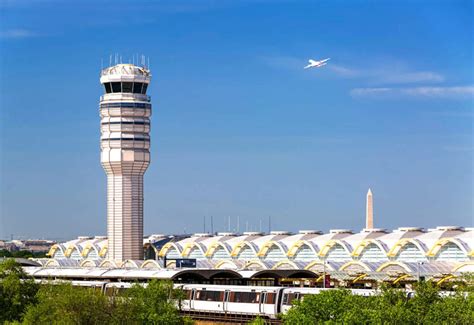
{"x":226,"y":234}
{"x":253,"y":233}
{"x":340,"y":231}
{"x":100,"y":237}
{"x":156,"y":236}
{"x":310,"y":232}
{"x":276,"y":233}
{"x":202,"y":234}
{"x":449,"y":228}
{"x":84,"y":237}
{"x":374,"y":230}
{"x":407,"y":229}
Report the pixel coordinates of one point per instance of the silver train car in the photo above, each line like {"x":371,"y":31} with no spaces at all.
{"x":265,"y":302}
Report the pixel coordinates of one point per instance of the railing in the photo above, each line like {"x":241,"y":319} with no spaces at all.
{"x":127,"y":96}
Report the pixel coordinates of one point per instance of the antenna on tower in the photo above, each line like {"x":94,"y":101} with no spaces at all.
{"x":110,"y":60}
{"x":148,"y":66}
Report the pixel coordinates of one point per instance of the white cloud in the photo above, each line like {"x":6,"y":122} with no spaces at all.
{"x":344,"y":71}
{"x":425,"y":92}
{"x":17,"y":33}
{"x":370,"y":91}
{"x":411,"y":77}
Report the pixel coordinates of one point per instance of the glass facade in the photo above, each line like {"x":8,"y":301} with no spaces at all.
{"x":125,"y":87}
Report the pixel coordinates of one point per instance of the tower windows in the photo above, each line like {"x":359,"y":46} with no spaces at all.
{"x":108,"y":89}
{"x":137,"y":87}
{"x":116,"y":87}
{"x":125,"y":87}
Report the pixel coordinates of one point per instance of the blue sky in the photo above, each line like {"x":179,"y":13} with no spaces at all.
{"x":238,"y":127}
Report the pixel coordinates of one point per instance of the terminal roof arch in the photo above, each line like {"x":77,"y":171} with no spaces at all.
{"x":267,"y":246}
{"x":168,"y":246}
{"x":151,"y":264}
{"x":192,"y":246}
{"x":332,"y":243}
{"x":444,"y":241}
{"x":240,"y":246}
{"x":299,"y":245}
{"x":360,"y":264}
{"x":402,"y":266}
{"x":365,"y":243}
{"x":396,"y":249}
{"x":215,"y":246}
{"x":90,"y":263}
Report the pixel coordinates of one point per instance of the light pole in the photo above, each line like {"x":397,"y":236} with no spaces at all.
{"x":418,"y":273}
{"x":324,"y":273}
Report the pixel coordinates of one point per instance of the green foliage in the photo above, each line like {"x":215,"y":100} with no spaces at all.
{"x":17,"y":291}
{"x":154,"y":303}
{"x":63,"y":303}
{"x":257,"y":321}
{"x":21,"y":254}
{"x":390,"y":307}
{"x":66,"y":304}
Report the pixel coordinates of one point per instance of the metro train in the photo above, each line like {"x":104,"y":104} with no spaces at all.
{"x":261,"y":301}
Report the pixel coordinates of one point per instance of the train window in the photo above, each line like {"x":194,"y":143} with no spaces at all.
{"x":137,"y":88}
{"x":289,"y":297}
{"x":209,"y":295}
{"x":245,"y":297}
{"x":188,"y":294}
{"x":127,"y":87}
{"x":270,"y":298}
{"x":108,"y":89}
{"x":116,"y":87}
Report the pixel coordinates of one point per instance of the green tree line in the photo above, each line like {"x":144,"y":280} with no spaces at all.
{"x":21,"y":254}
{"x":391,"y":306}
{"x":22,"y":301}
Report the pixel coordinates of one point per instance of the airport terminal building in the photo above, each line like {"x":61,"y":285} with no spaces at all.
{"x":372,"y":255}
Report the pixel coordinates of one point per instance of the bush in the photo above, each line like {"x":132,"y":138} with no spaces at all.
{"x":17,"y":291}
{"x":389,"y":307}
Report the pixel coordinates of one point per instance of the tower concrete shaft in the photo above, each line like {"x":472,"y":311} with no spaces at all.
{"x":125,"y":112}
{"x":369,"y":212}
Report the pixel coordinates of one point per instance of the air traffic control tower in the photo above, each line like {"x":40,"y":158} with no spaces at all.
{"x":125,"y":111}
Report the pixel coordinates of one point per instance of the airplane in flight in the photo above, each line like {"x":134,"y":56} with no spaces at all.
{"x":316,"y":64}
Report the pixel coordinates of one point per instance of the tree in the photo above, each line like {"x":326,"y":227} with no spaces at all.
{"x":65,"y":304}
{"x":17,"y":291}
{"x":156,"y":303}
{"x":391,"y":306}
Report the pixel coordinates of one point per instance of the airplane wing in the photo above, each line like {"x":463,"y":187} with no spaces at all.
{"x":312,"y":61}
{"x":308,"y":66}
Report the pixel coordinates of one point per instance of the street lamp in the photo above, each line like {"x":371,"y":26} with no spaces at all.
{"x":419,"y":266}
{"x":324,"y":273}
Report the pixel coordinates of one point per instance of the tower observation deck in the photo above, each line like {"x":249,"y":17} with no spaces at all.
{"x":125,"y":111}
